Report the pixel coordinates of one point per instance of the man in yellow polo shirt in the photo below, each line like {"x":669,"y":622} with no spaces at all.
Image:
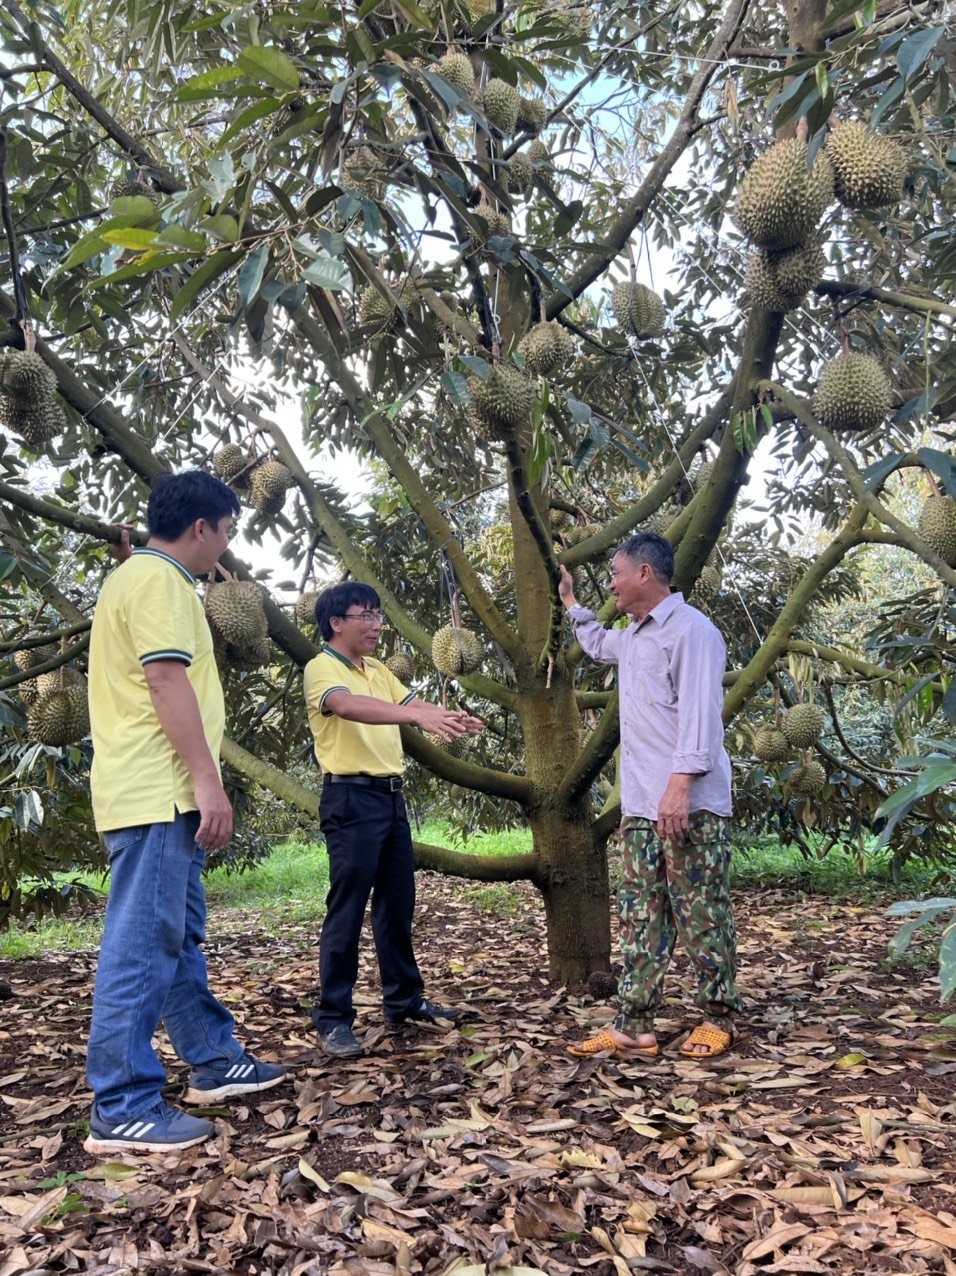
{"x":356,"y":707}
{"x":157,"y":715}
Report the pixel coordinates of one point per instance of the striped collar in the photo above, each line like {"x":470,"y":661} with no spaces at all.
{"x":158,"y":553}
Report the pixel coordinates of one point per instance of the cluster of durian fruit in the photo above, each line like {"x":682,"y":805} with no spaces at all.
{"x":57,"y":707}
{"x":235,"y":610}
{"x":797,"y":730}
{"x":264,"y":482}
{"x":29,"y":403}
{"x":779,"y":206}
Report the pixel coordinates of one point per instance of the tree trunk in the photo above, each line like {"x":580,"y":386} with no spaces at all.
{"x":574,"y":885}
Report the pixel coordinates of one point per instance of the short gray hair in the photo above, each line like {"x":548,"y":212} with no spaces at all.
{"x":648,"y":547}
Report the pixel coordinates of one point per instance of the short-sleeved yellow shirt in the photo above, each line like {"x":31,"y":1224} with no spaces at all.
{"x":147,"y":610}
{"x":353,"y":748}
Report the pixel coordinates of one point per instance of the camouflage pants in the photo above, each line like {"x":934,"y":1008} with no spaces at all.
{"x":668,"y":890}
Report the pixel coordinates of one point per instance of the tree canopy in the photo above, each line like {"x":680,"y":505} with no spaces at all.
{"x":509,"y":253}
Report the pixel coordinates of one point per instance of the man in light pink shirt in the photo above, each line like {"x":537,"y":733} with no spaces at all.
{"x":675,"y":800}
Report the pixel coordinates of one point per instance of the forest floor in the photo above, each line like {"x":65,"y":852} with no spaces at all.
{"x":824,"y":1142}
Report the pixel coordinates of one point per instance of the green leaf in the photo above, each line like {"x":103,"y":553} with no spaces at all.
{"x":328,"y":272}
{"x":143,"y":265}
{"x":210,"y":79}
{"x":265,"y":106}
{"x":455,"y":385}
{"x":251,"y":271}
{"x":137,"y":206}
{"x":223,"y":226}
{"x":182,"y":237}
{"x":200,"y":278}
{"x":131,"y":238}
{"x":914,"y":51}
{"x":943,"y":466}
{"x":269,"y":66}
{"x":947,"y":962}
{"x":901,"y":940}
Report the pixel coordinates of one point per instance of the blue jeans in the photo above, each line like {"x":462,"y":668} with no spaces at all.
{"x":151,"y":968}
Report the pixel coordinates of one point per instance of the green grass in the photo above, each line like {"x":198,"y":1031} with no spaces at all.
{"x":290,"y":886}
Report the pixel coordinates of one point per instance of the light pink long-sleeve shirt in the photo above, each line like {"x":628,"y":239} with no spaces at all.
{"x":670,"y":670}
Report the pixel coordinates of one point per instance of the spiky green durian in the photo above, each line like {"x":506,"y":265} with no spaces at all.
{"x":60,"y":717}
{"x":268,"y":485}
{"x":638,"y":309}
{"x":30,"y":657}
{"x":578,"y":533}
{"x":492,"y":221}
{"x":362,"y":173}
{"x":305,"y":608}
{"x":233,"y":465}
{"x":401,"y":664}
{"x":854,"y":393}
{"x":59,"y":680}
{"x":937,"y":526}
{"x":809,"y":778}
{"x":547,"y":348}
{"x":503,"y":402}
{"x":36,"y":423}
{"x":456,"y":747}
{"x":244,"y":657}
{"x":236,"y":612}
{"x":500,"y":103}
{"x":868,"y":168}
{"x":519,"y":172}
{"x":709,"y":581}
{"x":803,"y":725}
{"x":127,"y":188}
{"x":456,"y":68}
{"x":25,"y":376}
{"x":456,"y":651}
{"x":781,"y":199}
{"x":532,"y":115}
{"x":781,"y":280}
{"x":538,"y":154}
{"x":380,"y":313}
{"x":770,"y":744}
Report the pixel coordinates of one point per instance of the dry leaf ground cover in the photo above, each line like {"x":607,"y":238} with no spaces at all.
{"x":823,"y":1143}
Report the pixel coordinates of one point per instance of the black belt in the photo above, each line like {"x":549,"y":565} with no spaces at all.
{"x":390,"y":783}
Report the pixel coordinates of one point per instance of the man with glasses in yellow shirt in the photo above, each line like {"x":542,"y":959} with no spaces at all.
{"x":356,"y":707}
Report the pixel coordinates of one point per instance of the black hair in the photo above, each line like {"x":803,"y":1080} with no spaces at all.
{"x":336,"y":600}
{"x":176,"y":501}
{"x":648,"y":547}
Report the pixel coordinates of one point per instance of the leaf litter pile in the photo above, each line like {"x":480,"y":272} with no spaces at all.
{"x":824,"y":1142}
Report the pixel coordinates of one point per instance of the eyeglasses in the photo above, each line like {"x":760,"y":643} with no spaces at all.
{"x":369,"y":617}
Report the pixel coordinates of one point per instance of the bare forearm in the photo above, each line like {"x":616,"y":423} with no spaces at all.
{"x":177,"y":710}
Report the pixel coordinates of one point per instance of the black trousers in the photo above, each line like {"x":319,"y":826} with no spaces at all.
{"x":369,"y":844}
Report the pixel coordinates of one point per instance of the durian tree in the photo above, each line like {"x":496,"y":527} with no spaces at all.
{"x":561,"y":270}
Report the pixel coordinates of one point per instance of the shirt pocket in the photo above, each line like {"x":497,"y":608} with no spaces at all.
{"x":652,"y":678}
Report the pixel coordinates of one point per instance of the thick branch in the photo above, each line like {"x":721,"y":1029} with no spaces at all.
{"x":499,"y":784}
{"x":634,"y":210}
{"x":595,"y":755}
{"x":479,"y":868}
{"x":901,"y":300}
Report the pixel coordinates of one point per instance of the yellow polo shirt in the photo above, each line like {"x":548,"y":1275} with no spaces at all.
{"x":148,"y":610}
{"x":353,"y":748}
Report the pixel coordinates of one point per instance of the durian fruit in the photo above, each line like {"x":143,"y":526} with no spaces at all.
{"x":456,"y":747}
{"x":493,"y":221}
{"x":781,"y":280}
{"x":60,"y":717}
{"x":802,"y":725}
{"x":558,"y":519}
{"x":305,"y":608}
{"x":538,"y":154}
{"x":456,"y":651}
{"x":578,"y":533}
{"x":456,"y":68}
{"x":235,"y":611}
{"x":128,"y":187}
{"x":709,"y":581}
{"x":854,"y":393}
{"x":26,"y":377}
{"x":781,"y":200}
{"x":36,"y":423}
{"x":28,"y":658}
{"x":58,"y":679}
{"x":519,"y":173}
{"x":381,"y":314}
{"x":937,"y":526}
{"x":868,"y":168}
{"x":547,"y":348}
{"x":500,"y":103}
{"x":637,"y":309}
{"x":501,"y":404}
{"x":401,"y":664}
{"x":770,"y":744}
{"x":287,"y":113}
{"x":532,"y":115}
{"x":362,"y":173}
{"x":809,"y":778}
{"x":233,"y":465}
{"x":268,"y":485}
{"x":244,"y":658}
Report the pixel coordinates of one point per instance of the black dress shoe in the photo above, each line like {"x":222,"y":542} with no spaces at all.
{"x":340,"y":1042}
{"x":425,"y":1012}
